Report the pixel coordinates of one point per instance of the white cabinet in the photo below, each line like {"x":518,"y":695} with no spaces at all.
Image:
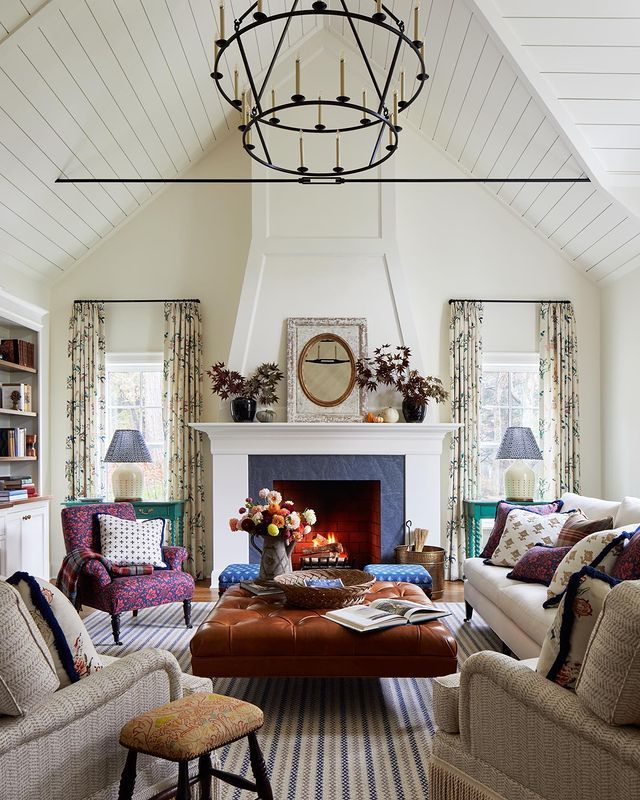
{"x":26,"y":539}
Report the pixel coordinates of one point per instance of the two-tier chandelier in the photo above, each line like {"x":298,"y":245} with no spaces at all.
{"x":373,"y":114}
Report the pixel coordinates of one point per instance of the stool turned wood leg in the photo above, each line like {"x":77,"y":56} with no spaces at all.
{"x":204,"y":775}
{"x":128,"y":778}
{"x":183,"y":792}
{"x":187,"y":613}
{"x":115,"y":627}
{"x":134,"y":613}
{"x":259,"y":769}
{"x":468,"y":611}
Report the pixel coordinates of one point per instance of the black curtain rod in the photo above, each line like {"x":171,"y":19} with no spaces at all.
{"x":508,"y":301}
{"x":321,"y":181}
{"x":178,"y":300}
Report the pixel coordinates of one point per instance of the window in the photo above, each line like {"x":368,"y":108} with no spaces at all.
{"x":134,"y":400}
{"x":510,"y":396}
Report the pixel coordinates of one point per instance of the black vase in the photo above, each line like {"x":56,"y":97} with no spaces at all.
{"x":413,"y":412}
{"x":243,"y":409}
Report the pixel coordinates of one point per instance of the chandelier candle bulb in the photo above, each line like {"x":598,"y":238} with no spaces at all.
{"x":416,"y":23}
{"x":298,"y":75}
{"x":259,"y":7}
{"x":235,"y":84}
{"x":338,"y":149}
{"x":319,"y":110}
{"x":378,"y":6}
{"x":301,"y":150}
{"x":342,"y":76}
{"x":395,"y":109}
{"x":221,"y":20}
{"x":402,"y":86}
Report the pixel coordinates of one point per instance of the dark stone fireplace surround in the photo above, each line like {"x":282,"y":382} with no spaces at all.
{"x":389,"y":470}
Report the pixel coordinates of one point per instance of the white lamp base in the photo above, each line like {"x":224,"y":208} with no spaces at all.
{"x":519,"y":481}
{"x":127,"y":481}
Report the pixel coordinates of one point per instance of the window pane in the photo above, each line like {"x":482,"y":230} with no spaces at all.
{"x":516,"y":416}
{"x":489,"y":388}
{"x":152,"y":430}
{"x":125,"y":418}
{"x":124,"y":388}
{"x":503,"y":388}
{"x":152,"y":388}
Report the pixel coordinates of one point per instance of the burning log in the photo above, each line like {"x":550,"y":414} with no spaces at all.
{"x":332,"y":547}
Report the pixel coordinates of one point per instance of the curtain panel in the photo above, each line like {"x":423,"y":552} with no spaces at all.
{"x":86,"y":401}
{"x":465,"y":352}
{"x":559,"y":395}
{"x":182,"y":405}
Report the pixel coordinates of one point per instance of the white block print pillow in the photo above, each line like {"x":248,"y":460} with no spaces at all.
{"x":125,"y":541}
{"x":524,"y":529}
{"x":599,"y":550}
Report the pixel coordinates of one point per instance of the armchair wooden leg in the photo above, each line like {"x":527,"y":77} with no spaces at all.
{"x":183,"y":791}
{"x":128,"y":777}
{"x":259,"y":769}
{"x":468,"y":611}
{"x":115,"y":627}
{"x":187,"y":613}
{"x":204,"y":776}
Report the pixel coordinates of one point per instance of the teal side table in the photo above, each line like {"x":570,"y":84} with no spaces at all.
{"x":477,"y":510}
{"x":173,"y":510}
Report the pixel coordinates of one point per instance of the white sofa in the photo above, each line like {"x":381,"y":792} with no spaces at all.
{"x":514,"y":609}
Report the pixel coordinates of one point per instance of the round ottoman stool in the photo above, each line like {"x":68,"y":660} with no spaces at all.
{"x":192,"y":728}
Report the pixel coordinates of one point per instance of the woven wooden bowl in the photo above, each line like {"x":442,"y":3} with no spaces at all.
{"x":356,"y":584}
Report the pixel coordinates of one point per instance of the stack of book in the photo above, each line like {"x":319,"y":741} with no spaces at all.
{"x":17,"y":488}
{"x":13,"y":442}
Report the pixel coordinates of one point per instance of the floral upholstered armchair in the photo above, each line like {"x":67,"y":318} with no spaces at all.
{"x":115,"y":595}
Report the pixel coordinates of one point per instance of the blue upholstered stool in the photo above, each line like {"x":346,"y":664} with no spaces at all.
{"x":235,"y":573}
{"x":409,"y":573}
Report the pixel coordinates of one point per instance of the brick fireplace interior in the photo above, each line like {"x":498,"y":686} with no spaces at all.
{"x":350,"y":510}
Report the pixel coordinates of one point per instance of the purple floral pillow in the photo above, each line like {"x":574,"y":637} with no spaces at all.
{"x":502,"y":512}
{"x":538,"y":565}
{"x":627,"y":566}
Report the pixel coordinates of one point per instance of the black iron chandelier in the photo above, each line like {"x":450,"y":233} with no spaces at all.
{"x":335,"y":114}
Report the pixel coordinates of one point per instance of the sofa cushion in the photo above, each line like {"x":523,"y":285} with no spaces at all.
{"x":522,"y":602}
{"x":629,"y":512}
{"x":523,"y":530}
{"x":599,"y":550}
{"x":502,"y":511}
{"x":591,"y":507}
{"x":609,"y":683}
{"x":627,"y":566}
{"x":131,"y":541}
{"x":64,"y":633}
{"x":538,"y":565}
{"x":575,"y":530}
{"x":565,"y":645}
{"x":486,"y":578}
{"x":27,"y":674}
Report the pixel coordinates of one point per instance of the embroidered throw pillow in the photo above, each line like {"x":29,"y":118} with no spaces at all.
{"x":124,"y":541}
{"x":565,"y":644}
{"x":64,"y":633}
{"x":522,"y":531}
{"x":27,"y":674}
{"x":502,"y":511}
{"x":538,"y":564}
{"x":575,"y":530}
{"x":627,"y":566}
{"x":599,"y":550}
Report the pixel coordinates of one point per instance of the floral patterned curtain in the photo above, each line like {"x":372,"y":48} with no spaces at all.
{"x":182,"y":405}
{"x":86,"y":403}
{"x":465,"y":351}
{"x":560,"y":416}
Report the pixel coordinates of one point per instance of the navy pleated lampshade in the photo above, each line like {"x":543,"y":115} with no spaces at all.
{"x":127,"y":446}
{"x":519,"y":443}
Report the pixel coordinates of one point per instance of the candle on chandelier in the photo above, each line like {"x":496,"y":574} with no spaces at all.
{"x":378,"y":6}
{"x":259,"y":7}
{"x":273,"y":98}
{"x":297,"y":74}
{"x":416,"y":23}
{"x":402,"y":86}
{"x":222,"y":20}
{"x":364,"y":103}
{"x":395,"y":109}
{"x":244,"y":109}
{"x":319,"y":110}
{"x":338,"y":149}
{"x":235,"y":84}
{"x":341,"y":76}
{"x":301,"y":150}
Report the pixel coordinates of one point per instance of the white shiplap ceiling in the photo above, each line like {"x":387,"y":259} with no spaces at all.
{"x":122,"y":88}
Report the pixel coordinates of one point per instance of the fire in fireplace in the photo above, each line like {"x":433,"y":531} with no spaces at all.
{"x":348,"y":532}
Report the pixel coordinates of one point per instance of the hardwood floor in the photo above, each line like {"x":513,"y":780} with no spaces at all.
{"x":453,"y":592}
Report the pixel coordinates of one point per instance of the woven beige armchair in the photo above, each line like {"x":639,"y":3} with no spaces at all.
{"x":508,"y":733}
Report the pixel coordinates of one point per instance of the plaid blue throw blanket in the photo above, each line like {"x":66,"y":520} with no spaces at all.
{"x":73,"y":565}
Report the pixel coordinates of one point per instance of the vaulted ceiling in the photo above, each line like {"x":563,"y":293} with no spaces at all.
{"x":121,"y":88}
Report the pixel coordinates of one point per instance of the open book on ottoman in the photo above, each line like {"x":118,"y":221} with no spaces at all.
{"x":384,"y":613}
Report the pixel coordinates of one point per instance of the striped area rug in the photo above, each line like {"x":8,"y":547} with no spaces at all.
{"x":323,"y":739}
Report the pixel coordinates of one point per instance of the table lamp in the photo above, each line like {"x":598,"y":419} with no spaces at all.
{"x":128,"y":449}
{"x":519,"y":444}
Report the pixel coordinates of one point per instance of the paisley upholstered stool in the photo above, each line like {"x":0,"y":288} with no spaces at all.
{"x":191,"y":728}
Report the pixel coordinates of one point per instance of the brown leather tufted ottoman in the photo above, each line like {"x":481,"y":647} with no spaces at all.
{"x":247,"y":636}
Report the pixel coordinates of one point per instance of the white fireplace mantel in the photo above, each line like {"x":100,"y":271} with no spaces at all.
{"x":232,"y":444}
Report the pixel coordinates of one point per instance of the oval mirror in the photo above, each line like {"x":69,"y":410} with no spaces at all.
{"x":327,"y":370}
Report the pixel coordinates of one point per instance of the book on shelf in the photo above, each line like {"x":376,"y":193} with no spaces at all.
{"x":385,"y":613}
{"x":13,"y":494}
{"x":259,"y":590}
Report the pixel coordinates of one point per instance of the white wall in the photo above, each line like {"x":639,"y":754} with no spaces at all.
{"x":620,"y":387}
{"x":453,"y":241}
